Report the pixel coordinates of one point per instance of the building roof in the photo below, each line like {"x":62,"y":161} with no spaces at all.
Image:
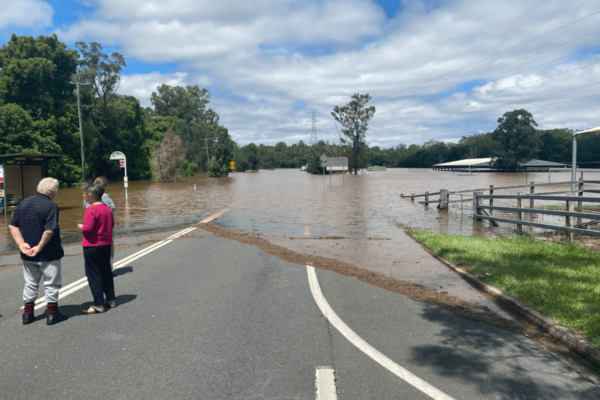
{"x":592,"y":130}
{"x":470,"y":162}
{"x":542,"y":163}
{"x":32,"y":156}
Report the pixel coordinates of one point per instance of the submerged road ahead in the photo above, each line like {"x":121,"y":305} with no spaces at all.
{"x":207,"y":318}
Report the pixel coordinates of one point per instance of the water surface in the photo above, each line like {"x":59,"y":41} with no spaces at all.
{"x":292,"y":202}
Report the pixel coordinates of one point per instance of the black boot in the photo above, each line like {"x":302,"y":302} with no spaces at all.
{"x":28,"y":318}
{"x":55,"y":319}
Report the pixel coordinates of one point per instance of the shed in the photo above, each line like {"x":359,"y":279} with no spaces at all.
{"x":20,"y":178}
{"x":541,"y":165}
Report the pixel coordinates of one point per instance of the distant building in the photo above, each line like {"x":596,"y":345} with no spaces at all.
{"x":468,"y":164}
{"x":487,"y":164}
{"x":541,"y":166}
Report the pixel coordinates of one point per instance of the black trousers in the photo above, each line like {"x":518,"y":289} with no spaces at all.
{"x":97,"y":270}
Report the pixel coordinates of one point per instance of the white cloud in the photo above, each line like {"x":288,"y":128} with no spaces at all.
{"x":273,"y":54}
{"x":141,"y":86}
{"x":25,"y":13}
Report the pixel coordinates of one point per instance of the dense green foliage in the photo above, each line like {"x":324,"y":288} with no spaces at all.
{"x":38,"y":112}
{"x":560,"y":280}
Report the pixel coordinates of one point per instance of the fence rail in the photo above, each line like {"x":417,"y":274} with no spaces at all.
{"x":479,"y":210}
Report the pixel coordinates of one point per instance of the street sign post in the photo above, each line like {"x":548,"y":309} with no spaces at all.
{"x":331,"y":163}
{"x":119,"y":156}
{"x":232,"y":163}
{"x":2,"y":199}
{"x":323,"y":158}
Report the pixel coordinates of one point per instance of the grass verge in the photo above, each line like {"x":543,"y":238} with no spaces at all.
{"x":560,"y":280}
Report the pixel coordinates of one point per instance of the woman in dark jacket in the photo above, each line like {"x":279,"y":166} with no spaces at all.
{"x":97,"y":229}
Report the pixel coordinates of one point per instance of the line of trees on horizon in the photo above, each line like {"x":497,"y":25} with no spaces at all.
{"x":515,"y":140}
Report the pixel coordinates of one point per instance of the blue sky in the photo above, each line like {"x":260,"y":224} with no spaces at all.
{"x":267,"y":62}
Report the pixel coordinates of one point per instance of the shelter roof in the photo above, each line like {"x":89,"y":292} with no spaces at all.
{"x":466,"y":163}
{"x":542,"y":163}
{"x":592,"y":130}
{"x":32,"y":156}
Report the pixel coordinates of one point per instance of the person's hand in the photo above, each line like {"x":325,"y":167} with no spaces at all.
{"x":80,"y":226}
{"x":34,"y":251}
{"x":24,"y":247}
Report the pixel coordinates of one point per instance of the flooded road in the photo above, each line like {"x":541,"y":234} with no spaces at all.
{"x":292,"y":202}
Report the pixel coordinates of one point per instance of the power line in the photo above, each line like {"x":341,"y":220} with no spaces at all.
{"x":496,"y":54}
{"x":497,"y":37}
{"x":483,"y":116}
{"x":496,"y":91}
{"x":502,"y":66}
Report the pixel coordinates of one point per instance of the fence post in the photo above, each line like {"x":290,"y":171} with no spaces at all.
{"x":491,"y":194}
{"x":476,"y":210}
{"x":426,"y":198}
{"x":580,"y":205}
{"x":532,"y":191}
{"x":412,"y":197}
{"x":569,"y":235}
{"x":443,"y":199}
{"x":519,"y":215}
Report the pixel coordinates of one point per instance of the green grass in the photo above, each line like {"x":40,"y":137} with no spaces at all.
{"x":555,"y":207}
{"x":560,"y":280}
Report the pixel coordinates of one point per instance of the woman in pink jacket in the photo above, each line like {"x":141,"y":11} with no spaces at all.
{"x":97,"y":229}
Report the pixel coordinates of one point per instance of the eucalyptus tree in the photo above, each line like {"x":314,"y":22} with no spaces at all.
{"x":354,"y":118}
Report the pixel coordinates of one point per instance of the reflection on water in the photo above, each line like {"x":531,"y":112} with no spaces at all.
{"x":296,"y":203}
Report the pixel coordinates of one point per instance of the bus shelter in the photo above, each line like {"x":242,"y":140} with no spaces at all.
{"x":20,"y":178}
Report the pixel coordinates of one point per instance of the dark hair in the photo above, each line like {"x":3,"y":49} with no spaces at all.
{"x":101,"y":181}
{"x":93,"y":190}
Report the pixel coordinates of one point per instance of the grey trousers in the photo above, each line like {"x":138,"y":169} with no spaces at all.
{"x":33,"y":271}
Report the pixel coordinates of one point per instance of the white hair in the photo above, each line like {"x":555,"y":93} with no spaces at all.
{"x":47,"y":186}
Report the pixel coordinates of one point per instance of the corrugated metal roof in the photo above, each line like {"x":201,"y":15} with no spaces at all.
{"x":465,"y":163}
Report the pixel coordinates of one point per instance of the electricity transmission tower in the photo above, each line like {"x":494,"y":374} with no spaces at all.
{"x":314,"y":122}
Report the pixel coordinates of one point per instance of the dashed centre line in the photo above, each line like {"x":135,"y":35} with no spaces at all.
{"x":325,"y":383}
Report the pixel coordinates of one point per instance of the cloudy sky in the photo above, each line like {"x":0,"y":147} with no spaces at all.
{"x":436,"y":69}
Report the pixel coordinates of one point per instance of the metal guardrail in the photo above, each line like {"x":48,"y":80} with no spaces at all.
{"x":479,"y":209}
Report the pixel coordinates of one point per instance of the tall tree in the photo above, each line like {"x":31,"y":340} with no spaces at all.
{"x":102,"y":71}
{"x":354,"y":118}
{"x":168,"y":158}
{"x":35,"y":75}
{"x":194,"y":123}
{"x":518,"y":138}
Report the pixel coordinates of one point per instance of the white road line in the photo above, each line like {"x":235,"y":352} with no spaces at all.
{"x":365,"y":347}
{"x":81,"y":283}
{"x":78,"y":284}
{"x":325,"y":382}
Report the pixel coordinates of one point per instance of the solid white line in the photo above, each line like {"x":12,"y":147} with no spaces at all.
{"x":118,"y":264}
{"x":365,"y":347}
{"x":81,"y":283}
{"x":325,"y":382}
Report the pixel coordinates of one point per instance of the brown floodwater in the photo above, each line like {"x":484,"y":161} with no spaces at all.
{"x":292,"y":202}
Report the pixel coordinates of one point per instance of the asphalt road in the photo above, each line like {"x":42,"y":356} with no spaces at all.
{"x":208,"y":318}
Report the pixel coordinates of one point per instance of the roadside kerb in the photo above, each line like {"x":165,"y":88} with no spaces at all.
{"x":560,"y":333}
